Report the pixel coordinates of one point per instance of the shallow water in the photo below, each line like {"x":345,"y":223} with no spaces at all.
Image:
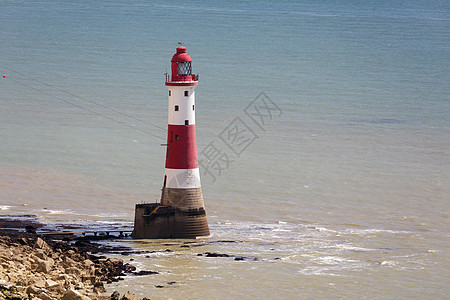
{"x":344,"y":191}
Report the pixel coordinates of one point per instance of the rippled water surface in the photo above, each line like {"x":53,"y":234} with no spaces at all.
{"x":343,"y":191}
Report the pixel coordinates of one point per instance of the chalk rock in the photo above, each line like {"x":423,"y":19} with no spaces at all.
{"x":33,"y":290}
{"x":44,"y":296}
{"x":73,"y":270}
{"x":99,"y":288}
{"x":40,"y":244}
{"x":5,"y":284}
{"x":117,"y":262}
{"x":23,"y":241}
{"x":40,"y":254}
{"x":88,"y":263}
{"x":130,"y":296}
{"x":63,"y":277}
{"x":74,"y":295}
{"x":68,"y":262}
{"x":115,"y":296}
{"x":45,"y":266}
{"x":39,"y":282}
{"x":51,"y":283}
{"x":87,"y":278}
{"x":79,"y":286}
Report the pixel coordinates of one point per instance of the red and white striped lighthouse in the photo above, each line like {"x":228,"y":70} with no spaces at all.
{"x":182,"y":170}
{"x":181,"y":212}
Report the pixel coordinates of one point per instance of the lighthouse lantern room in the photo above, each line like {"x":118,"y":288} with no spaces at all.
{"x":181,"y":212}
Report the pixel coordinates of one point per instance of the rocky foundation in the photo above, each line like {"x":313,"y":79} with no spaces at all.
{"x":34,"y":268}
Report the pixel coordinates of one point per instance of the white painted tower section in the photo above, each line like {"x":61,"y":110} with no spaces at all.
{"x":183,"y":178}
{"x":181,"y":111}
{"x":186,"y":105}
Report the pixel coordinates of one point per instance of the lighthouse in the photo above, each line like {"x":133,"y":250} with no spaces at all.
{"x":181,"y":211}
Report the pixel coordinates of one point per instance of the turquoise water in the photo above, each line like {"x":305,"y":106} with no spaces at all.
{"x":347,"y":180}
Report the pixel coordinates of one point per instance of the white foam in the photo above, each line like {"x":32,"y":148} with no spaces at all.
{"x":57,"y":212}
{"x":5,"y":207}
{"x":281,"y":229}
{"x":375,"y":231}
{"x":388,"y":263}
{"x":352,"y":248}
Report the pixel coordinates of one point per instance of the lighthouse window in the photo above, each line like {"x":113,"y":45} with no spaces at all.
{"x":170,"y":93}
{"x":176,"y":137}
{"x":184,"y":68}
{"x":176,"y":108}
{"x":186,"y":93}
{"x":193,"y":107}
{"x":186,"y":122}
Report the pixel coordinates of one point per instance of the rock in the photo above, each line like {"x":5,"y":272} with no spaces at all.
{"x":51,"y":283}
{"x":74,"y":295}
{"x":130,"y":296}
{"x":69,"y":262}
{"x":33,"y":290}
{"x":30,"y":229}
{"x":90,"y":279}
{"x":5,"y":284}
{"x":142,"y":273}
{"x":115,"y":295}
{"x":40,"y":243}
{"x":39,"y":282}
{"x":127,"y":268}
{"x":73,"y":270}
{"x":63,"y":277}
{"x":12,"y":295}
{"x":209,"y":254}
{"x":115,"y":261}
{"x":44,"y":266}
{"x":44,"y":296}
{"x":88,"y":263}
{"x":23,"y":241}
{"x":99,"y":288}
{"x":40,"y":254}
{"x":79,"y":285}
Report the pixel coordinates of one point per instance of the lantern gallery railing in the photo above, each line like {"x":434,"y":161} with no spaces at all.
{"x":188,"y":78}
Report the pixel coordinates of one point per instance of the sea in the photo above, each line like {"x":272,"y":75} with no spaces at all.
{"x":323,"y":135}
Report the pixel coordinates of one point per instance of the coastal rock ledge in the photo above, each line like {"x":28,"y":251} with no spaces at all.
{"x":30,"y":268}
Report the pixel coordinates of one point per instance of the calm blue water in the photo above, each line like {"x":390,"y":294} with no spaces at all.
{"x":347,"y":179}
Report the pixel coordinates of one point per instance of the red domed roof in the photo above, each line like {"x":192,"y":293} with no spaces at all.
{"x":181,"y":55}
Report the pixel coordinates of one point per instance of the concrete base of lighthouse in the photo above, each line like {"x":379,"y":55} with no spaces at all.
{"x":179,"y":215}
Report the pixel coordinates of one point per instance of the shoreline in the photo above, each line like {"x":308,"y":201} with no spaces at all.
{"x":54,"y":266}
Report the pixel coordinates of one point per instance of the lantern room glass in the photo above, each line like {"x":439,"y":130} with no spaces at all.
{"x":184,"y":68}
